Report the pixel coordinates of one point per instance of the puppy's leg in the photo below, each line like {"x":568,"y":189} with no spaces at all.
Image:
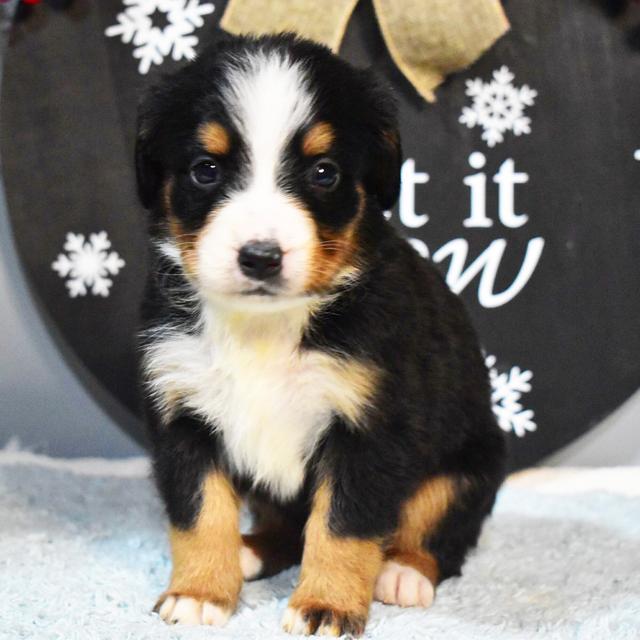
{"x":337,"y":577}
{"x":437,"y":527}
{"x":410,"y":573}
{"x":204,"y":534}
{"x":275,"y":543}
{"x":206,"y":578}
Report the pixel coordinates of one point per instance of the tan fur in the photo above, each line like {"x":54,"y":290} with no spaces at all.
{"x":186,"y":242}
{"x":338,"y":573}
{"x":214,"y":138}
{"x":419,"y":559}
{"x":420,"y":516}
{"x":206,"y":557}
{"x":349,"y":384}
{"x":318,"y":140}
{"x":334,"y":258}
{"x":391,"y":138}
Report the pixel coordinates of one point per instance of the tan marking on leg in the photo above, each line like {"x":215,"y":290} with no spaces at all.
{"x":410,"y":573}
{"x":422,"y":513}
{"x":336,"y":580}
{"x":214,"y":138}
{"x":318,"y":140}
{"x":419,"y":559}
{"x":206,"y":560}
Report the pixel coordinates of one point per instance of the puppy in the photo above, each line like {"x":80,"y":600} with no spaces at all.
{"x":297,"y":352}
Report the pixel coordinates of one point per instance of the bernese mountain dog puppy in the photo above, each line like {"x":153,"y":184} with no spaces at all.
{"x":297,"y":353}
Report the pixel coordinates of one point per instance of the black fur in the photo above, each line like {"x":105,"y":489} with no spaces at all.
{"x":352,"y":101}
{"x":432,"y":413}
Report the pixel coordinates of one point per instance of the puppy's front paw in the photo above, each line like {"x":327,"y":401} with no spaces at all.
{"x":322,"y":620}
{"x":174,"y":609}
{"x":403,"y":585}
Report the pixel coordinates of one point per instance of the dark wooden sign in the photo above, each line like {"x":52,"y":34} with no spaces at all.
{"x":522,"y":183}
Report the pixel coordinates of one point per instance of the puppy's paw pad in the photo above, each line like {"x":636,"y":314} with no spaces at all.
{"x":403,"y":585}
{"x":190,"y":611}
{"x":250,"y":563}
{"x":322,"y":621}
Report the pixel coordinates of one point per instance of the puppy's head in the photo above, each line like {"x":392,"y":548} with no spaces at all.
{"x":263,"y":161}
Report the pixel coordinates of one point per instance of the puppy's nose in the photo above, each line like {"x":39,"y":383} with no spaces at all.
{"x":261,"y":259}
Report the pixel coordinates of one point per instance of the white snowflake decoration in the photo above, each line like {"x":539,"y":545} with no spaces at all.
{"x":507,"y":390}
{"x":153,"y":44}
{"x":87,"y":264}
{"x":498,"y":106}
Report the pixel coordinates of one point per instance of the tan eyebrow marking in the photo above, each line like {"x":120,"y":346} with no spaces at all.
{"x":215,"y":138}
{"x":318,"y":139}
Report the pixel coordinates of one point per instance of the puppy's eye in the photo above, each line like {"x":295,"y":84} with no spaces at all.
{"x":325,"y":174}
{"x":205,"y":173}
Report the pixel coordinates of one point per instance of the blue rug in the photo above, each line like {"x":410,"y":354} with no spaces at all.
{"x":83,"y":554}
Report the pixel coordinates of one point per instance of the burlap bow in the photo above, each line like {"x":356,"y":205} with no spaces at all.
{"x":427,"y":39}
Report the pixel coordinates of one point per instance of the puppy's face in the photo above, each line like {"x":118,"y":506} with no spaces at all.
{"x":262,"y":162}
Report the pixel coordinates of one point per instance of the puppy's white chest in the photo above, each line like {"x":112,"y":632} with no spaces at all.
{"x":270,"y":401}
{"x":272,"y":411}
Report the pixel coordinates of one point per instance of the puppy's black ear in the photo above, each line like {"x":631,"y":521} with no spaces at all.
{"x":382,"y":179}
{"x":148,"y":169}
{"x":384,"y":159}
{"x":165,"y":114}
{"x":148,"y":166}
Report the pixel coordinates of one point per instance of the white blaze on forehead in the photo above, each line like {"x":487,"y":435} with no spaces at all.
{"x":269,"y":99}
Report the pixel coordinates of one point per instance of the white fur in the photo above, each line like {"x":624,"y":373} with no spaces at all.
{"x":245,"y":376}
{"x":189,"y":611}
{"x":250,"y":563}
{"x":403,"y":585}
{"x":269,"y":100}
{"x":294,"y":622}
{"x":169,"y":249}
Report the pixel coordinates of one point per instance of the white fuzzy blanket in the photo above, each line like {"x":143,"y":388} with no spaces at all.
{"x":83,"y":554}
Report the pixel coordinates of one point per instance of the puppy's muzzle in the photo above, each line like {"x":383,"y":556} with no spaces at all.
{"x":260,"y":260}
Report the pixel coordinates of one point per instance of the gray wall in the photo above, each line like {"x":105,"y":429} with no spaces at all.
{"x":42,"y":402}
{"x":615,"y":441}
